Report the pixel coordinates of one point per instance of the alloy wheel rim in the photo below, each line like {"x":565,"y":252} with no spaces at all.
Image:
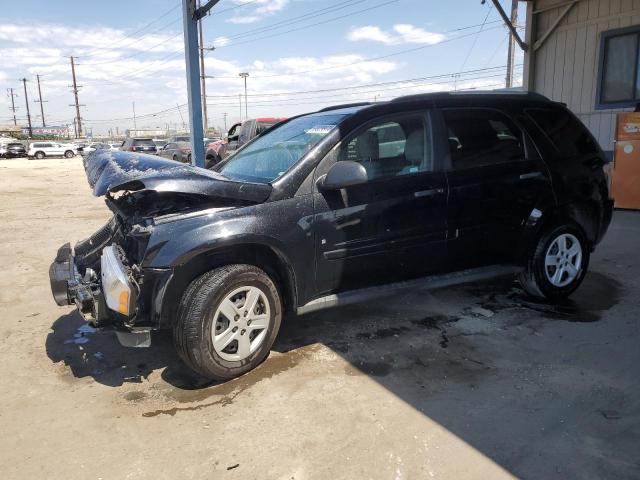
{"x":563,"y":260}
{"x":240,"y":323}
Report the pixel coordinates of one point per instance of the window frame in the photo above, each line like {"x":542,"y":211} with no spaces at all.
{"x":604,"y":36}
{"x":428,"y":121}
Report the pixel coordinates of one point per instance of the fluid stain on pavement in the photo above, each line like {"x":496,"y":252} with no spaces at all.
{"x":597,"y":294}
{"x":227,"y":392}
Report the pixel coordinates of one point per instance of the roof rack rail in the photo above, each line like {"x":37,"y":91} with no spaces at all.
{"x":344,"y":105}
{"x":505,"y":92}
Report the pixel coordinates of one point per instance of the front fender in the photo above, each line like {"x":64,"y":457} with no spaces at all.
{"x":176,"y":243}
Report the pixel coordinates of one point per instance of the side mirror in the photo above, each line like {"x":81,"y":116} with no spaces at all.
{"x":342,"y":175}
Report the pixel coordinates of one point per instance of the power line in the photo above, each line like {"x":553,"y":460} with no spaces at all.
{"x":446,"y":76}
{"x":430,"y":77}
{"x":136,"y":39}
{"x":304,"y":27}
{"x":290,"y":21}
{"x":372,"y":59}
{"x":475,"y":40}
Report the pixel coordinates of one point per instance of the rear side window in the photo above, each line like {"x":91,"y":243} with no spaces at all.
{"x":262,"y":126}
{"x":568,"y":135}
{"x":479,"y":137}
{"x":245,"y":132}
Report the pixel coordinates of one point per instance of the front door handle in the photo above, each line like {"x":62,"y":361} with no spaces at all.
{"x":526,"y":176}
{"x":428,"y":193}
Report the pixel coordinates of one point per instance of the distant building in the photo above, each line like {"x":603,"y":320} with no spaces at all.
{"x":585,"y":53}
{"x":10,"y":130}
{"x":53,"y":131}
{"x":149,"y":132}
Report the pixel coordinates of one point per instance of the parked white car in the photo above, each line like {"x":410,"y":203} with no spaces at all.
{"x":51,"y":149}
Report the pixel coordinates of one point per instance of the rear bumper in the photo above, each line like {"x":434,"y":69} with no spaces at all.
{"x":68,"y":288}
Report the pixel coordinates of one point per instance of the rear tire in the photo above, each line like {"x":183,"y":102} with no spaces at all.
{"x":212,"y":343}
{"x":174,"y":158}
{"x":558,"y":265}
{"x":68,"y":154}
{"x":39,"y":155}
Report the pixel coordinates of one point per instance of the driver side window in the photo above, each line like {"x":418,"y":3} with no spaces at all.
{"x":392,"y":147}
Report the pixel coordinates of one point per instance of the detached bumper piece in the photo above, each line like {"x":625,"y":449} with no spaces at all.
{"x":69,"y":289}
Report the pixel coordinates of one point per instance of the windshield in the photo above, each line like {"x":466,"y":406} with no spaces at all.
{"x":269,"y":156}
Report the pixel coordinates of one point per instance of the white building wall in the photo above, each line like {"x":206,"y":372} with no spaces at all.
{"x":565,"y":67}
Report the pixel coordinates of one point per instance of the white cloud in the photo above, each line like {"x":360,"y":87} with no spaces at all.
{"x":245,"y":20}
{"x":370,"y":32}
{"x":401,"y":33}
{"x":262,"y":9}
{"x":220,"y":42}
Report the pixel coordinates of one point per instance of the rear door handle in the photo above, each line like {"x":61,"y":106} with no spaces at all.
{"x":526,"y":176}
{"x":428,"y":193}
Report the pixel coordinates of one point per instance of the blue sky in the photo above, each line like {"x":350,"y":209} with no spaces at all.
{"x":336,"y":50}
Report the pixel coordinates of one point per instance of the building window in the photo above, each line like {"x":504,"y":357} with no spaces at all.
{"x":619,"y":82}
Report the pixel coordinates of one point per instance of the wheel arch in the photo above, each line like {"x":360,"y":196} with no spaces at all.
{"x":265,"y":257}
{"x":584,"y":214}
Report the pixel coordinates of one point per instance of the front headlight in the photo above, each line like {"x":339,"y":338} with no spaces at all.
{"x":118,"y":292}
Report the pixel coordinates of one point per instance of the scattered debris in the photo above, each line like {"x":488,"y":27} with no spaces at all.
{"x":610,"y":414}
{"x":233,"y":466}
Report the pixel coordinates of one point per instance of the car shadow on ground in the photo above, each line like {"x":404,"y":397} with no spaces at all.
{"x":376,"y":337}
{"x":88,"y":352}
{"x":506,"y":374}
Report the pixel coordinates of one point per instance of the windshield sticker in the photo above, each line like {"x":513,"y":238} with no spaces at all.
{"x":319,"y":130}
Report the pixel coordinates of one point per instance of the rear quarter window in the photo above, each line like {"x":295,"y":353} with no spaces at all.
{"x":569,"y":137}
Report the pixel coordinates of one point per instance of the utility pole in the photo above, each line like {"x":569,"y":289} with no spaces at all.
{"x":245,"y":75}
{"x":77,"y":103}
{"x":224,"y":115}
{"x":190,"y":16}
{"x":13,"y":105}
{"x":26,"y":100}
{"x":240,"y":101}
{"x":184,"y":125}
{"x":512,"y":45}
{"x":41,"y":101}
{"x":135,"y":127}
{"x":203,"y":81}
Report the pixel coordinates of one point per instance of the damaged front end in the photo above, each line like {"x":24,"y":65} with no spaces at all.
{"x":97,"y":277}
{"x":105,"y":276}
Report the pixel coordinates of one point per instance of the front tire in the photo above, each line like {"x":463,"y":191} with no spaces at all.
{"x":558,"y":264}
{"x":227,"y":321}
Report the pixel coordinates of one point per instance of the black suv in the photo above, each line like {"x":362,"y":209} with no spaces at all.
{"x":146,"y":145}
{"x":337,"y":206}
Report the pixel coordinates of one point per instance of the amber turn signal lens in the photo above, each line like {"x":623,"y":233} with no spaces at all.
{"x":123,"y":302}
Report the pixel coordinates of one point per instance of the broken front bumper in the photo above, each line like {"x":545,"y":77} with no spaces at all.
{"x":68,"y":288}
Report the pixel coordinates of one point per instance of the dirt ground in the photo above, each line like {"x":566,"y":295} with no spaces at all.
{"x":475,"y":381}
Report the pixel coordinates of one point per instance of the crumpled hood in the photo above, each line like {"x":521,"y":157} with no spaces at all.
{"x":113,"y":171}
